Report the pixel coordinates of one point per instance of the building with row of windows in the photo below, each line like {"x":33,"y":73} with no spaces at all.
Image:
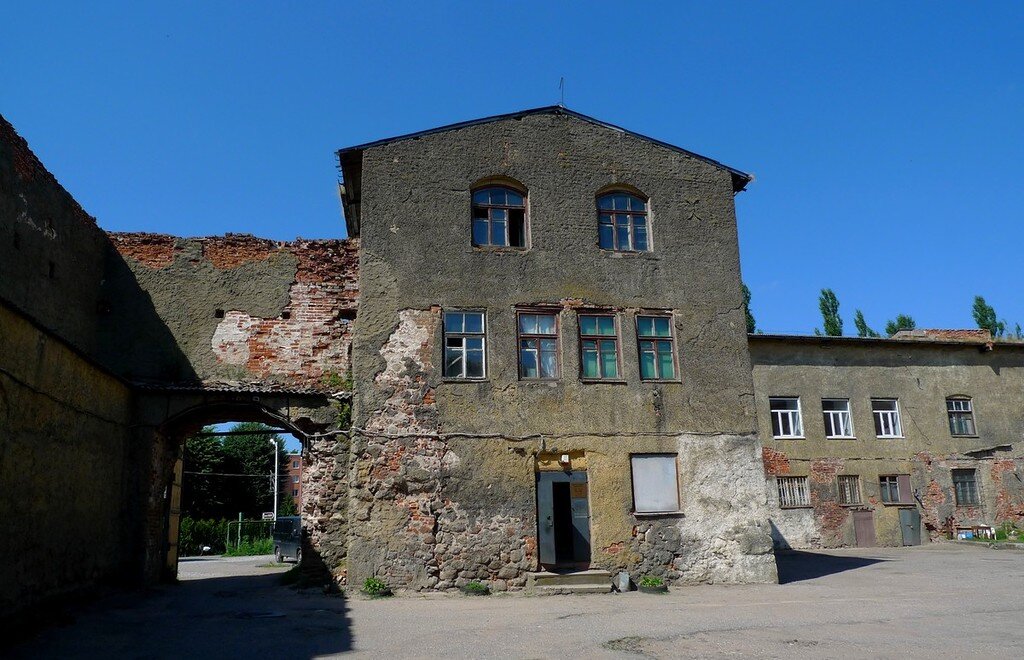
{"x":890,"y":441}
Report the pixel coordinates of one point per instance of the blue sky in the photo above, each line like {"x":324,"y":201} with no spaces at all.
{"x":886,"y":140}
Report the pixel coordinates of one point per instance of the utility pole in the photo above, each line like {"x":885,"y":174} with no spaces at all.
{"x":277,"y":483}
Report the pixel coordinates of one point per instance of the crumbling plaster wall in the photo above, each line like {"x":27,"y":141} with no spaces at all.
{"x":921,"y":375}
{"x":239,"y":309}
{"x":430,"y":511}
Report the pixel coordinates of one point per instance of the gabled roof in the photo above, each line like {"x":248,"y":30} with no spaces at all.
{"x":350,"y":158}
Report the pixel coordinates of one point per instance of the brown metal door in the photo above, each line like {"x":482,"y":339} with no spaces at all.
{"x":864,"y":528}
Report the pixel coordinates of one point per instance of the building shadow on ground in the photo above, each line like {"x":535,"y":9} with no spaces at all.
{"x":220,"y":617}
{"x":797,"y":566}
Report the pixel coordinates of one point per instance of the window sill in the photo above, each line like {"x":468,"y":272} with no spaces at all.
{"x":499,"y":248}
{"x":540,"y":381}
{"x":891,"y":437}
{"x":788,"y":437}
{"x":606,"y":381}
{"x":899,"y":504}
{"x":628,"y":254}
{"x":448,"y":379}
{"x":957,"y":435}
{"x":657,"y":514}
{"x":795,"y":507}
{"x":659,"y":381}
{"x":853,"y":505}
{"x":840,"y":437}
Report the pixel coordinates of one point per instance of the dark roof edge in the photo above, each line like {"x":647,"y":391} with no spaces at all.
{"x":883,"y":341}
{"x":739,"y":178}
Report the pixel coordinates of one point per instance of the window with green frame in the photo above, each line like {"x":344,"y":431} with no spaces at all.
{"x":599,"y":347}
{"x":657,"y":358}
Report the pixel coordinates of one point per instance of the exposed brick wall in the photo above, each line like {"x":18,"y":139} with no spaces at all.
{"x":152,"y":250}
{"x":304,"y":344}
{"x":775,"y":462}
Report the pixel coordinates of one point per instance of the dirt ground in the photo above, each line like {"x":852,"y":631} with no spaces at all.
{"x":936,"y":600}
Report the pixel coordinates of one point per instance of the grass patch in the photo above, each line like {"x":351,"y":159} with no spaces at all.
{"x":250,"y":548}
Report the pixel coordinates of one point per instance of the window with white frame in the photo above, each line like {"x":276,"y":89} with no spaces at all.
{"x":961,"y":415}
{"x":838,"y":422}
{"x":887,"y":418}
{"x":655,"y":483}
{"x":849,"y":488}
{"x":792,"y":492}
{"x":295,"y":465}
{"x":464,"y":343}
{"x":786,"y":419}
{"x":295,"y":479}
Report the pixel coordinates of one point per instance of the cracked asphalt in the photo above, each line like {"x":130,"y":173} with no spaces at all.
{"x":934,"y":600}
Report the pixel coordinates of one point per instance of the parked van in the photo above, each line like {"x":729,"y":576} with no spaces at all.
{"x":288,"y":538}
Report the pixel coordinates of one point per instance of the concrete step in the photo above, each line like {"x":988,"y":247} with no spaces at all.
{"x":589,"y":581}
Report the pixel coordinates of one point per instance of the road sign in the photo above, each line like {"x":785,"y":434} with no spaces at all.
{"x":268,"y":515}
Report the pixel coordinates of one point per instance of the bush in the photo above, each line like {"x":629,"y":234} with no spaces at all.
{"x":375,"y":587}
{"x":251,"y":547}
{"x":194,"y":534}
{"x":651,"y":581}
{"x":476,"y":589}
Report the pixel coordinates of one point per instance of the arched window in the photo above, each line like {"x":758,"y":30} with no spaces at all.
{"x":499,"y":217}
{"x":622,"y":222}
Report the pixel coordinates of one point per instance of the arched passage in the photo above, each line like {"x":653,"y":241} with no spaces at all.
{"x":316,"y":420}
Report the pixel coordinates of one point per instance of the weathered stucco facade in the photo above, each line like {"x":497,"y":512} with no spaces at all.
{"x":445,"y":471}
{"x":921,"y":373}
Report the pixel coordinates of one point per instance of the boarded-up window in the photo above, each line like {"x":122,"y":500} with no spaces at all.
{"x":655,"y":483}
{"x":793,"y":492}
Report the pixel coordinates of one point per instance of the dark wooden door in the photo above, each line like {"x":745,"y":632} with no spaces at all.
{"x":864,"y":528}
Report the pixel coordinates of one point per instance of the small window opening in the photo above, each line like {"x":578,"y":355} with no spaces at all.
{"x":52,"y":270}
{"x":17,"y":241}
{"x":286,"y":315}
{"x":218,"y":313}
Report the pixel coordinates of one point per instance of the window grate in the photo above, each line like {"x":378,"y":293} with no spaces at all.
{"x":849,"y":488}
{"x":792,"y":492}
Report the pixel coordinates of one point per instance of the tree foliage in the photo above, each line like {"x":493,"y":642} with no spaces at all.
{"x":751,"y":322}
{"x":901,"y":322}
{"x":828,"y":303}
{"x":985,"y":317}
{"x":228,"y":475}
{"x":863,"y":329}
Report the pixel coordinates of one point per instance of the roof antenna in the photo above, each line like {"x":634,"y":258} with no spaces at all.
{"x":561,"y":89}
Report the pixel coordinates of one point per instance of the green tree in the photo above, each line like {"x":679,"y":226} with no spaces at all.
{"x":863,"y":329}
{"x":202,"y":495}
{"x":250,"y":454}
{"x":985,"y":317}
{"x":901,"y":322}
{"x":751,"y":322}
{"x":829,"y":306}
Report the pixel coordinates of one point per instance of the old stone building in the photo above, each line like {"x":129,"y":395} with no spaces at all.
{"x":529,"y":355}
{"x":550,"y":359}
{"x":890,"y":441}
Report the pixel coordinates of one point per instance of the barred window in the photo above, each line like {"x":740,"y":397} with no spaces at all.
{"x":792,"y":492}
{"x":464,"y":344}
{"x":599,"y":347}
{"x":786,"y":418}
{"x":657,"y":357}
{"x":961,"y":415}
{"x":965,"y":487}
{"x":849,"y":488}
{"x":838,"y":422}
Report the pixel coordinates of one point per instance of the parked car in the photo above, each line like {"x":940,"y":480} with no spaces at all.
{"x":288,"y":538}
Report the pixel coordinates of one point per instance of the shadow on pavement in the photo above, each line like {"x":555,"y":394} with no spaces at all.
{"x":796,"y":566}
{"x":223,"y":617}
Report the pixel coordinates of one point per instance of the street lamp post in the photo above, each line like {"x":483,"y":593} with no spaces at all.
{"x":277,"y":483}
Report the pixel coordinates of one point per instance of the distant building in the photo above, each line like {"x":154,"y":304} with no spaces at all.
{"x":294,"y":481}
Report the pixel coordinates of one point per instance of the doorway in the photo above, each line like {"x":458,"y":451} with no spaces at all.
{"x":910,"y":526}
{"x":864,"y":528}
{"x":563,"y":517}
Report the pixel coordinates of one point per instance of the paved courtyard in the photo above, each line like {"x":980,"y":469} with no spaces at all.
{"x":938,"y":600}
